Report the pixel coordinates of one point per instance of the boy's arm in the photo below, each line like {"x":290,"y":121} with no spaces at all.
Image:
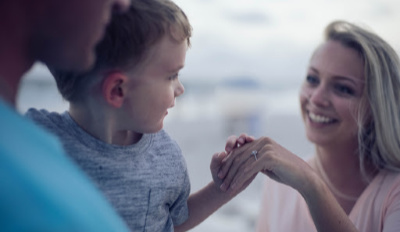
{"x":202,"y":204}
{"x":207,"y":200}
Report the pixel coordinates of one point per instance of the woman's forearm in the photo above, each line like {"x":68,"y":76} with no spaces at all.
{"x":327,"y":214}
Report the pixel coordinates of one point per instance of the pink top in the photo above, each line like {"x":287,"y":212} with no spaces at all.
{"x":377,"y":209}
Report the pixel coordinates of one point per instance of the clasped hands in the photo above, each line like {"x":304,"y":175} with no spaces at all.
{"x":235,"y":168}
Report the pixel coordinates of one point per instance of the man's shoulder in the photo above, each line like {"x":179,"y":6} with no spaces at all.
{"x":20,"y":136}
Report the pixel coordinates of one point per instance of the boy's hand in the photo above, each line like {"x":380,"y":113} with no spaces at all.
{"x":216,"y":161}
{"x":233,"y":142}
{"x":215,"y":167}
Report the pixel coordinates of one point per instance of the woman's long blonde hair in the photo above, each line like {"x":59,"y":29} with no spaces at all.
{"x":379,"y":110}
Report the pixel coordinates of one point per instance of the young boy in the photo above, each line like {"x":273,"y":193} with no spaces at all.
{"x":113,"y":128}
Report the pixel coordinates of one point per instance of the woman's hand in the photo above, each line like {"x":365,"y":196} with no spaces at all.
{"x":232,"y":143}
{"x":272,"y":159}
{"x":278,"y":163}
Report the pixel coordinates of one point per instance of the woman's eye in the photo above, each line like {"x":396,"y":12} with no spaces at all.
{"x":312,"y":80}
{"x":343,"y":89}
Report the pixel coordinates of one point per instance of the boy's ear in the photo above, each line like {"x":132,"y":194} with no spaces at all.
{"x":113,"y":88}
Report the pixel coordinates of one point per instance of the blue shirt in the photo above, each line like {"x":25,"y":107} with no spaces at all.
{"x":41,"y":189}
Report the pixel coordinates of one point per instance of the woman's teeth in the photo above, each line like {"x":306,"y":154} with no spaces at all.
{"x":319,"y":118}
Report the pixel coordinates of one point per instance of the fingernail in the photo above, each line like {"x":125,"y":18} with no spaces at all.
{"x":220,"y":174}
{"x":223,"y":187}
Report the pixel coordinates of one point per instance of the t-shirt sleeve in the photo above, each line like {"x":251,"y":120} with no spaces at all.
{"x":392,"y":219}
{"x":179,"y":210}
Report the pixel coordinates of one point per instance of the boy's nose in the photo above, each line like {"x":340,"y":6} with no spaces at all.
{"x":179,"y":90}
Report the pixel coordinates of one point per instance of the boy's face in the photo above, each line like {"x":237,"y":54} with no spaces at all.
{"x":69,"y":31}
{"x":152,"y":89}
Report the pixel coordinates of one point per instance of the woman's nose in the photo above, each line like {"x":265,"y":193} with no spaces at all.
{"x":319,"y":96}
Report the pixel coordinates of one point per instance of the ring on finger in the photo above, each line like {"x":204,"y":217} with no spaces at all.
{"x":254,"y":153}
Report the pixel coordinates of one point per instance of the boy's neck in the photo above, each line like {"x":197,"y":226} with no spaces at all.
{"x":102,"y":126}
{"x":125,"y":138}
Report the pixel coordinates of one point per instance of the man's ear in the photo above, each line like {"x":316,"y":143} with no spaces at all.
{"x":113,"y":89}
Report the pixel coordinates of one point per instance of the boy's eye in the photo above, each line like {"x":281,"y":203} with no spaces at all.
{"x":312,"y":80}
{"x":173,"y":77}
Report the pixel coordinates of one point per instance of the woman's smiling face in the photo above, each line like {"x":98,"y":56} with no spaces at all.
{"x":331,"y":93}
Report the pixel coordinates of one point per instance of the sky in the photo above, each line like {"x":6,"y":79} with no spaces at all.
{"x":272,"y":40}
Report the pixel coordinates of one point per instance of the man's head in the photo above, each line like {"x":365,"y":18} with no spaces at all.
{"x":127,"y":43}
{"x":66,"y":32}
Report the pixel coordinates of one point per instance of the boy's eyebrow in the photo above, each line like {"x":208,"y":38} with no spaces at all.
{"x":177,"y":69}
{"x":314,"y":69}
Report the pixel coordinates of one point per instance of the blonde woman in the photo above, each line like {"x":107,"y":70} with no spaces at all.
{"x":350,"y":103}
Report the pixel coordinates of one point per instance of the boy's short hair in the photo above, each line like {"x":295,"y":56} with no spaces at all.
{"x":125,"y":44}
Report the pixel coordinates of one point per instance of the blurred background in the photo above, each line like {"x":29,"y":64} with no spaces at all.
{"x":242,"y":75}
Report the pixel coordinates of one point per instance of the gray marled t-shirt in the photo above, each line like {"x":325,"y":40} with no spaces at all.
{"x":147,"y":182}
